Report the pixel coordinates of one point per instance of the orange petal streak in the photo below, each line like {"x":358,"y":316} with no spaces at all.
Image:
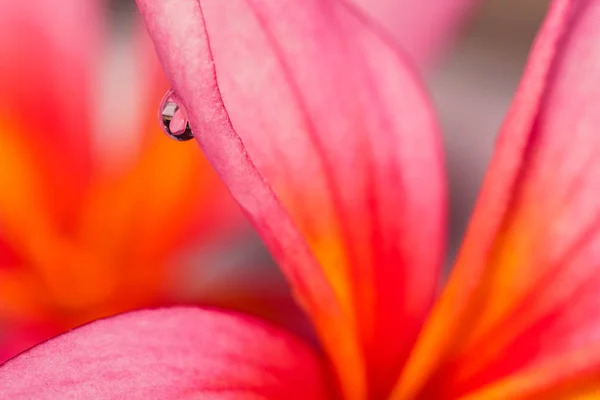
{"x":86,"y":233}
{"x":49,"y":53}
{"x":520,"y":317}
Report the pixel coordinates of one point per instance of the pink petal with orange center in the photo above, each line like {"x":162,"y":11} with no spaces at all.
{"x":520,"y":317}
{"x":325,"y":137}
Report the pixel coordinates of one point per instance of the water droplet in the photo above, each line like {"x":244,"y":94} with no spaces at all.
{"x":173,"y":120}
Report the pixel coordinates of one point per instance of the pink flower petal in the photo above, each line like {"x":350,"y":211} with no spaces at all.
{"x":176,"y":353}
{"x":520,"y":317}
{"x":327,"y":140}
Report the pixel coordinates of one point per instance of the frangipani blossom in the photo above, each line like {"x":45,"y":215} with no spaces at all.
{"x":86,"y":233}
{"x":325,"y":137}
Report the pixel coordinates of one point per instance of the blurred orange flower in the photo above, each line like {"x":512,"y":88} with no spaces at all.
{"x":95,"y":203}
{"x":325,"y":136}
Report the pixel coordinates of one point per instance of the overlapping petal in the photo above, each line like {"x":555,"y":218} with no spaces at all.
{"x":326,"y":139}
{"x":177,"y":353}
{"x":19,"y":334}
{"x":520,"y":317}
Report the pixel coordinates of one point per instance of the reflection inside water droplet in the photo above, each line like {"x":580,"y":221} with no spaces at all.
{"x":173,"y":120}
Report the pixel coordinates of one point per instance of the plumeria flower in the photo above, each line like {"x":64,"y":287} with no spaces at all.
{"x":96,"y":208}
{"x":326,"y":138}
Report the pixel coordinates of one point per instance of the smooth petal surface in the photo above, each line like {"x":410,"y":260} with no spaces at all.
{"x":177,"y":353}
{"x":327,"y":140}
{"x":520,"y":317}
{"x":422,"y":28}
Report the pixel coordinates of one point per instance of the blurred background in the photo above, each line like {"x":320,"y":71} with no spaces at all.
{"x":100,"y":213}
{"x":472,"y":85}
